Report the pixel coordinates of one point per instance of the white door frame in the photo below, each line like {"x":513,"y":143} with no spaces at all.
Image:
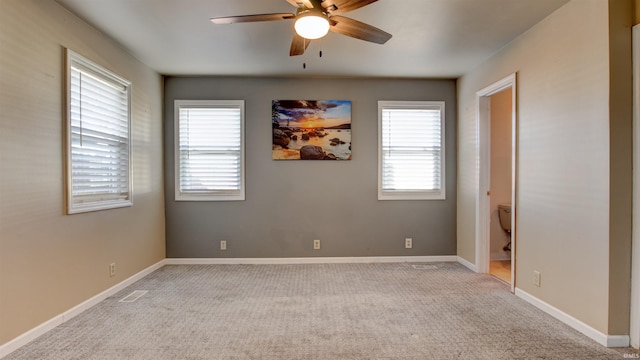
{"x":634,"y":329}
{"x":483,"y":161}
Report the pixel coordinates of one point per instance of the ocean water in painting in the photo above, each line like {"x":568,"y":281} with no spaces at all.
{"x":311,"y":129}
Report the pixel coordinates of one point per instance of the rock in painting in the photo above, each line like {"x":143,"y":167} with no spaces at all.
{"x":280,"y":138}
{"x":305,"y":137}
{"x":311,"y":152}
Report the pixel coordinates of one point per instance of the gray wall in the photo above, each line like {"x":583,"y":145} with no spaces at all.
{"x":290,"y":203}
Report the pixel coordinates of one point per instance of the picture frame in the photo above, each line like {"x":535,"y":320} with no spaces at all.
{"x":311,"y":129}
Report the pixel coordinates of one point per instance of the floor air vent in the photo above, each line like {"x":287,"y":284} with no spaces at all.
{"x":134,"y":296}
{"x":424,"y":267}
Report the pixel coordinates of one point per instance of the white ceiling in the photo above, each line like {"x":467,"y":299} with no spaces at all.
{"x":431,"y":38}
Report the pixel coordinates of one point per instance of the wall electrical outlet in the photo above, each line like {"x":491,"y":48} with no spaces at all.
{"x":536,"y":278}
{"x":316,"y":244}
{"x":112,"y":269}
{"x":408,"y":243}
{"x":223,"y":244}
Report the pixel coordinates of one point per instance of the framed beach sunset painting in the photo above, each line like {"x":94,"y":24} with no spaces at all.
{"x":311,"y":129}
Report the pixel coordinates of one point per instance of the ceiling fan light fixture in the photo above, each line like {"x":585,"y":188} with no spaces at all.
{"x":312,"y":26}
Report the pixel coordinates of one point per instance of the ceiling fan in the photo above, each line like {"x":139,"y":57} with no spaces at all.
{"x":314,"y":18}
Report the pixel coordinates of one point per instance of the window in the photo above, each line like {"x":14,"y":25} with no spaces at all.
{"x":411,"y":150}
{"x":209,"y":151}
{"x":98,"y":142}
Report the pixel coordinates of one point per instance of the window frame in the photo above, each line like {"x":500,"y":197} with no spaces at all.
{"x":73,"y":59}
{"x":439,"y":194}
{"x":214,"y":195}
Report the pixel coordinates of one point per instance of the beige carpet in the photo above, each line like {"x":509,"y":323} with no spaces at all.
{"x":336,"y":311}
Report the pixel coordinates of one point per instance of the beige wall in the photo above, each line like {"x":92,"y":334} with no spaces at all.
{"x":564,"y":170}
{"x":500,"y":170}
{"x":50,"y":262}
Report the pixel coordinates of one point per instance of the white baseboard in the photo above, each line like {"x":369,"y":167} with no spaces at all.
{"x":599,"y":337}
{"x":310,"y":260}
{"x":27,"y":337}
{"x":467,"y":264}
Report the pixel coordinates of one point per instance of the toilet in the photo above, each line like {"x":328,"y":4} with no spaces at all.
{"x":504,"y":213}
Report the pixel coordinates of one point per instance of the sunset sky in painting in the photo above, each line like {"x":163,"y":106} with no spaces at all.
{"x":313,"y":113}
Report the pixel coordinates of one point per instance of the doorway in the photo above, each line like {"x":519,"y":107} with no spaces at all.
{"x":500,"y":185}
{"x":488,"y":197}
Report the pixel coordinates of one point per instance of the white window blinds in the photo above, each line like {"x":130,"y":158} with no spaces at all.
{"x":98,"y":159}
{"x":210,"y":150}
{"x":411,"y":150}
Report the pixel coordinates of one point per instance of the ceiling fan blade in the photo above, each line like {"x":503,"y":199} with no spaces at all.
{"x":252,"y":18}
{"x":343,"y":6}
{"x":298,"y":45}
{"x":359,"y":30}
